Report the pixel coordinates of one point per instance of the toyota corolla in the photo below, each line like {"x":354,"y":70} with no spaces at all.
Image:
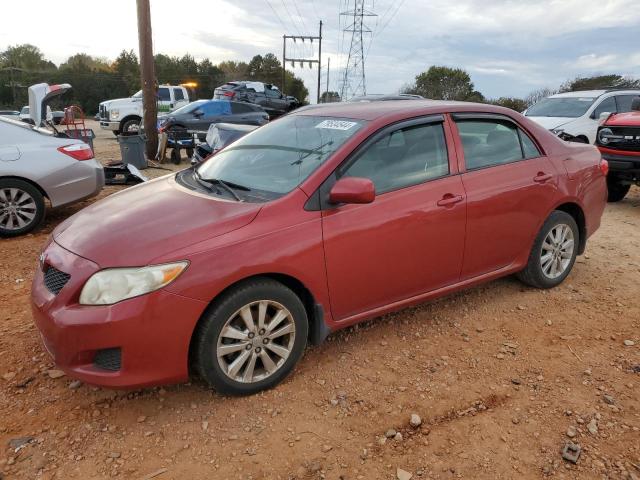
{"x":324,"y":218}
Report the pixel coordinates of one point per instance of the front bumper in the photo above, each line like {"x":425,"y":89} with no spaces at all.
{"x":152,"y":332}
{"x":622,"y":164}
{"x":109,"y":125}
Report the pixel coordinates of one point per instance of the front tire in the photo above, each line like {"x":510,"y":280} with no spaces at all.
{"x":251,"y":338}
{"x":554,"y":252}
{"x":22,"y":207}
{"x":131,"y":126}
{"x":616,"y":190}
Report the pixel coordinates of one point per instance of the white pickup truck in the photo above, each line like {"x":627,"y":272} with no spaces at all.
{"x":125,"y":114}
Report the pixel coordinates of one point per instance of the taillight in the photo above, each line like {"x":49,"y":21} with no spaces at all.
{"x":604,"y":167}
{"x":229,"y":93}
{"x":79,"y":151}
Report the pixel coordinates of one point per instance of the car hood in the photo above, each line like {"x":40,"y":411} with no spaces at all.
{"x":117,"y":101}
{"x":630,"y":119}
{"x":551,"y":122}
{"x":141,"y":224}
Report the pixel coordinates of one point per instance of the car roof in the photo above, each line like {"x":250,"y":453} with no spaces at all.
{"x":594,"y":93}
{"x":376,"y":110}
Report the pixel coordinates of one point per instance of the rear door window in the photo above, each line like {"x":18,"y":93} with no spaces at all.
{"x":241,"y":108}
{"x":488,"y":143}
{"x":212,"y":109}
{"x":178,"y":94}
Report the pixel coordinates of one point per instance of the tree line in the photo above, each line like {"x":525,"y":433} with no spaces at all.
{"x":445,"y":83}
{"x":97,"y":79}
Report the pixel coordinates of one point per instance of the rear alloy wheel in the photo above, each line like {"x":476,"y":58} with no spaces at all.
{"x":22,"y":207}
{"x":252,"y":338}
{"x":554,"y":252}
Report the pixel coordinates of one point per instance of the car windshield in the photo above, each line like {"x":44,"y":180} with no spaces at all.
{"x":189,"y":108}
{"x":277,"y":157}
{"x":24,"y":111}
{"x":571,"y":107}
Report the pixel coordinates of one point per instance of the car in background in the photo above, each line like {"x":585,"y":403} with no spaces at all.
{"x":124,"y":115}
{"x":12,"y":114}
{"x":268,"y":96}
{"x":199,"y":115}
{"x":36,"y":164}
{"x":619,"y":143}
{"x":25,"y":115}
{"x":375,"y":97}
{"x":218,"y":137}
{"x":293,"y":102}
{"x":317,"y":221}
{"x":576,"y":115}
{"x":57,"y":117}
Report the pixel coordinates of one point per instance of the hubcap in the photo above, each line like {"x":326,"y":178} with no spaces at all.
{"x":557,"y":251}
{"x":256,"y":341}
{"x":17,"y":208}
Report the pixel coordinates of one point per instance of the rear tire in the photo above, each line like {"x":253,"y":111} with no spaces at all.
{"x":616,"y":190}
{"x":553,"y":253}
{"x":22,"y":207}
{"x":237,"y":353}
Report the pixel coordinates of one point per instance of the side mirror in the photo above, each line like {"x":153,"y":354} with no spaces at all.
{"x":603,"y":117}
{"x":198,"y":113}
{"x":352,"y":190}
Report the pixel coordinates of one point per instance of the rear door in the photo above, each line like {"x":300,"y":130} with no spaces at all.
{"x":410,"y":240}
{"x":276,"y":101}
{"x":244,"y":113}
{"x":510,"y":187}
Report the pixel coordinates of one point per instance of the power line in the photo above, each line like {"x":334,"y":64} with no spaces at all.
{"x":293,"y":22}
{"x":392,"y":17}
{"x":276,"y":14}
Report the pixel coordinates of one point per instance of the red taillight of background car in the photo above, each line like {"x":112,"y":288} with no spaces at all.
{"x":229,"y":94}
{"x":604,"y":166}
{"x":79,"y":151}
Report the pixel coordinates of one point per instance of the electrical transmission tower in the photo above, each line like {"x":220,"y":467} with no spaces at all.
{"x":353,"y":81}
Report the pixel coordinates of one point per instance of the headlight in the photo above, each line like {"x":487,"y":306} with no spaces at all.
{"x":114,"y":114}
{"x":603,"y":136}
{"x":116,"y":284}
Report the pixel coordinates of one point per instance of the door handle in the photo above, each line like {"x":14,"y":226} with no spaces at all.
{"x":542,"y":177}
{"x":450,"y":199}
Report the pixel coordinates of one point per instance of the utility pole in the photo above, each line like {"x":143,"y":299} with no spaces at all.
{"x":302,"y":61}
{"x":328,"y":69}
{"x":148,"y":78}
{"x":353,"y":82}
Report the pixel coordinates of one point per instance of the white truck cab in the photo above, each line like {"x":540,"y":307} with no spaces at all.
{"x":578,"y":113}
{"x":125,"y":114}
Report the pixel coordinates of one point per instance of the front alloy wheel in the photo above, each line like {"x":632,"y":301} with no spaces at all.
{"x":251,"y":337}
{"x":256,"y":341}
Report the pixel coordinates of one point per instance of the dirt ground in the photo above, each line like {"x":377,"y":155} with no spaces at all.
{"x":501,"y":375}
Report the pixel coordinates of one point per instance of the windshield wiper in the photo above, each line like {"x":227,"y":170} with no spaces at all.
{"x":207,"y":182}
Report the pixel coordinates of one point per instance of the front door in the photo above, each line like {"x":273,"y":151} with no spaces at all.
{"x":410,"y":240}
{"x":510,"y":186}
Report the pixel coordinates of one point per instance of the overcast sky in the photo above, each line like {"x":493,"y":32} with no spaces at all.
{"x":509,"y":47}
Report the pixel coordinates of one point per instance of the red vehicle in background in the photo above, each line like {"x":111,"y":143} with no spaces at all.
{"x":619,"y":142}
{"x":324,"y":218}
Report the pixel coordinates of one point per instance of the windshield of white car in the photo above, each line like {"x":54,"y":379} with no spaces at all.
{"x":138,"y":94}
{"x":279,"y":156}
{"x":569,"y":107}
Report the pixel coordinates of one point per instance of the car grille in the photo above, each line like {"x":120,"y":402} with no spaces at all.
{"x":631,"y":140}
{"x":55,"y":280}
{"x":108,"y":359}
{"x":102,"y":111}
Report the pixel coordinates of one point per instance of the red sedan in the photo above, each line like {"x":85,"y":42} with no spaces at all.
{"x":324,"y":218}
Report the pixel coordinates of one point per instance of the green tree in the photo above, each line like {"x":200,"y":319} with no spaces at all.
{"x":26,"y":56}
{"x":539,"y":94}
{"x":598,"y":82}
{"x":517,"y":104}
{"x":445,"y":83}
{"x":127,"y":68}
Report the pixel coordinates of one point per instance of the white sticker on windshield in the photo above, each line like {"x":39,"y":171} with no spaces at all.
{"x":336,"y":124}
